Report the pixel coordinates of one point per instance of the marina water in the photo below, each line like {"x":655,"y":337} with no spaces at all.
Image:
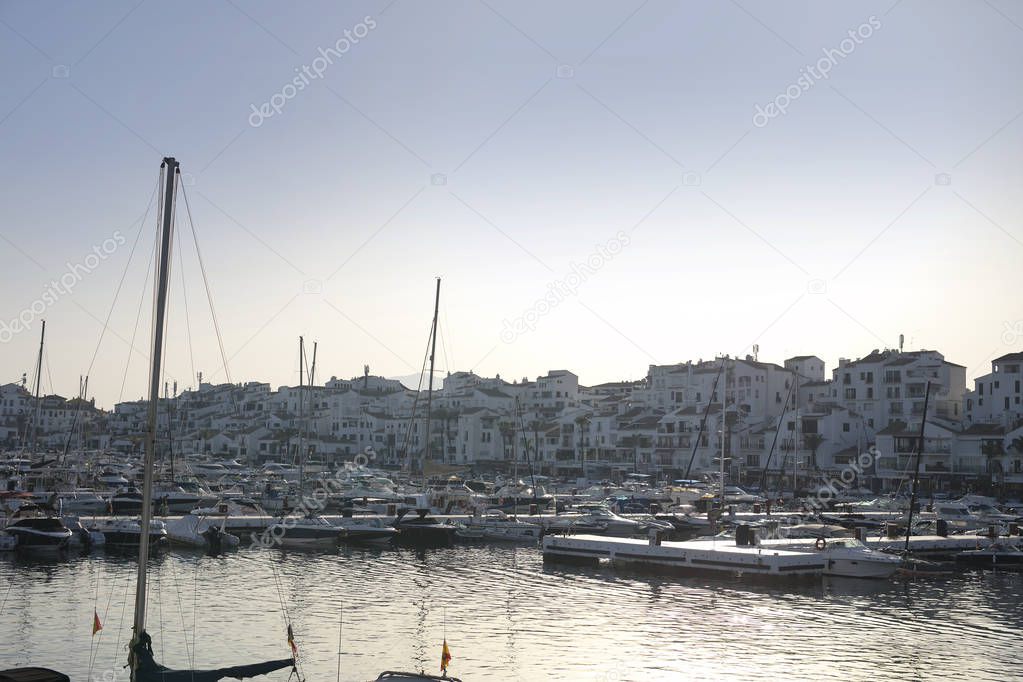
{"x":506,"y":616}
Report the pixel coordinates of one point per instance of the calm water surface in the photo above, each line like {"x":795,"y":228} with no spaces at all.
{"x":507,"y":616}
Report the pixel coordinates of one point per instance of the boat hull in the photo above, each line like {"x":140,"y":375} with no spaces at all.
{"x":860,"y":568}
{"x":128,"y":538}
{"x":35,"y":541}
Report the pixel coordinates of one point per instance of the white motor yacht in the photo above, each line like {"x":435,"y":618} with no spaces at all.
{"x":366,"y":529}
{"x":309,"y":531}
{"x":496,"y":525}
{"x":850,"y":558}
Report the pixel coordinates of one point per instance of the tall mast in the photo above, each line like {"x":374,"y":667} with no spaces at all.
{"x":795,"y":445}
{"x":724,"y":432}
{"x":39,"y":378}
{"x":429,"y":390}
{"x":916,"y":472}
{"x":301,"y":413}
{"x":169,"y":172}
{"x":309,"y":384}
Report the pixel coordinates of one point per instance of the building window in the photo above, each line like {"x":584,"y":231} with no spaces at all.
{"x":845,"y":427}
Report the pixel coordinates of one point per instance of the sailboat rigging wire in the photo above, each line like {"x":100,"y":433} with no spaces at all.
{"x":443,"y":347}
{"x":106,"y":612}
{"x":703,"y":420}
{"x":188,"y":324}
{"x":124,"y":603}
{"x":415,"y":404}
{"x":138,"y":317}
{"x":4,"y":603}
{"x":206,"y":285}
{"x":777,"y":432}
{"x":49,"y":370}
{"x":181,"y":611}
{"x":279,"y":583}
{"x":117,"y":292}
{"x":529,"y":462}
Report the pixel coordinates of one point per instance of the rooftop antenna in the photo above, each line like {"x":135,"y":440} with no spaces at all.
{"x":902,"y":340}
{"x":756,"y":351}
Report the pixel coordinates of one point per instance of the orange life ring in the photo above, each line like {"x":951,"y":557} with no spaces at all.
{"x":820,"y":544}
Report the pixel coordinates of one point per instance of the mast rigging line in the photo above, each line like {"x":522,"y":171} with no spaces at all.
{"x":206,"y":285}
{"x":138,"y":317}
{"x":777,"y":432}
{"x":120,"y":283}
{"x":188,"y":324}
{"x":703,"y":420}
{"x":415,"y":404}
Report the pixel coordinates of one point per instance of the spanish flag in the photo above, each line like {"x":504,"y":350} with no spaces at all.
{"x":291,"y":641}
{"x":96,"y":625}
{"x":445,"y":657}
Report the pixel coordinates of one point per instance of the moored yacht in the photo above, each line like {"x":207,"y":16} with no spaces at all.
{"x":850,"y":558}
{"x":309,"y":531}
{"x":126,"y":501}
{"x":375,"y":530}
{"x":127,"y":533}
{"x":39,"y":533}
{"x":496,"y":525}
{"x":423,"y":531}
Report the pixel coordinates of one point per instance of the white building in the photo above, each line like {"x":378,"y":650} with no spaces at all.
{"x":997,"y":398}
{"x":888,"y":386}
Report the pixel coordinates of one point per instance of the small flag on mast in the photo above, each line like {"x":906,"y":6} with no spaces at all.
{"x":96,"y":625}
{"x":445,"y":657}
{"x":291,"y":641}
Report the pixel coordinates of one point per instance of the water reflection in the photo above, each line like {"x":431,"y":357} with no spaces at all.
{"x":507,"y":616}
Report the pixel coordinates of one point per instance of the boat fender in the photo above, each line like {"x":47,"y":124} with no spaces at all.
{"x":820,"y":544}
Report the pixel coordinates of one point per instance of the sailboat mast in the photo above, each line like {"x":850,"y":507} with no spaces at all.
{"x":309,"y":387}
{"x":795,"y":445}
{"x":169,"y":169}
{"x":301,"y":413}
{"x":39,"y":378}
{"x":916,"y":472}
{"x":429,"y":390}
{"x":724,"y":427}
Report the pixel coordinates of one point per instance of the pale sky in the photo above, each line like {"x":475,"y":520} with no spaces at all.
{"x":501,"y":145}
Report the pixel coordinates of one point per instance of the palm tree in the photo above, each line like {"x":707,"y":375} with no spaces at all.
{"x":582,"y":423}
{"x":507,"y":434}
